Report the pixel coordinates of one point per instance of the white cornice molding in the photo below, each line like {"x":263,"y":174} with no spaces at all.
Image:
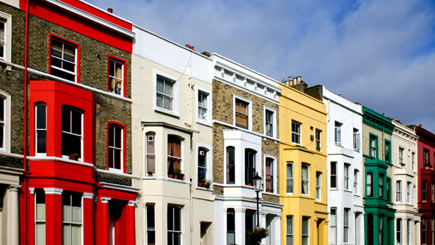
{"x":93,"y":18}
{"x":55,"y":191}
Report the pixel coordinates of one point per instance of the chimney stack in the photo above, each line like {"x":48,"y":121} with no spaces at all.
{"x":297,"y":83}
{"x":190,"y":46}
{"x":110,"y":10}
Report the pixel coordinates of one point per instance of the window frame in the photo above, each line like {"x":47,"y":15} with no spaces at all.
{"x":401,"y":157}
{"x":307,"y":181}
{"x":248,"y":114}
{"x":318,"y":139}
{"x":333,"y":223}
{"x":346,"y":217}
{"x":228,"y":164}
{"x":124,"y":74}
{"x":150,"y":136}
{"x":375,"y":149}
{"x":333,"y":175}
{"x":37,"y":130}
{"x":175,"y":231}
{"x":123,"y":159}
{"x":77,"y":56}
{"x":291,"y":179}
{"x":209,"y":106}
{"x":173,"y":157}
{"x":408,"y":192}
{"x":369,"y":184}
{"x":6,"y":144}
{"x":208,"y":162}
{"x":230,"y":211}
{"x":398,"y":191}
{"x":247,"y":168}
{"x":297,"y":133}
{"x":7,"y":41}
{"x":82,"y":148}
{"x":37,"y":221}
{"x":423,"y":231}
{"x":356,"y":139}
{"x":413,"y":160}
{"x":72,"y":223}
{"x":318,"y":185}
{"x":398,"y":231}
{"x":355,"y":180}
{"x":273,"y":174}
{"x":381,"y":190}
{"x":387,"y":154}
{"x":426,"y":160}
{"x":175,"y":95}
{"x":148,"y":228}
{"x":307,"y":235}
{"x":273,"y":123}
{"x":289,"y":234}
{"x":337,"y":133}
{"x":424,"y":191}
{"x":346,"y":177}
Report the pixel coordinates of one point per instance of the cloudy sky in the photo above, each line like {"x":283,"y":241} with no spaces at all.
{"x":380,"y":53}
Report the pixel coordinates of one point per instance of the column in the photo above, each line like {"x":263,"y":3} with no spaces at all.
{"x":88,"y":218}
{"x":131,"y":226}
{"x":53,"y":215}
{"x":12,"y":224}
{"x":103,"y":218}
{"x":240,"y":225}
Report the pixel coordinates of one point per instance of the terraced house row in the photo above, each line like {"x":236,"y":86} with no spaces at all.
{"x":112,"y":134}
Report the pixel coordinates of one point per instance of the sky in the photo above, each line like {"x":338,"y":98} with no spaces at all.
{"x":379,"y":53}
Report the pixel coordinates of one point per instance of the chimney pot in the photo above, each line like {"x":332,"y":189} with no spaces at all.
{"x":110,"y":10}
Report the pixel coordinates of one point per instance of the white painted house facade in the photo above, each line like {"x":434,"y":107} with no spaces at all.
{"x":172,"y":139}
{"x":345,"y":170}
{"x":405,"y":185}
{"x":246,"y":143}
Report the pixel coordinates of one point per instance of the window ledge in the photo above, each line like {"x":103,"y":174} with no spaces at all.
{"x":270,"y":193}
{"x":166,"y":112}
{"x":204,"y":123}
{"x":204,"y":189}
{"x":62,"y":159}
{"x":349,"y":191}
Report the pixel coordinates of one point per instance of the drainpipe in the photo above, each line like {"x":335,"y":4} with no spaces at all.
{"x":26,"y":33}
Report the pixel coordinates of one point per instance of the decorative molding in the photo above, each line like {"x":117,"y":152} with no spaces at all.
{"x":88,"y":195}
{"x":53,"y":191}
{"x":105,"y":199}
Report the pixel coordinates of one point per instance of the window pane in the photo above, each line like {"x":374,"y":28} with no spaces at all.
{"x":66,"y":119}
{"x":66,"y":234}
{"x":41,"y":139}
{"x":40,"y":233}
{"x":76,"y":122}
{"x":76,"y":235}
{"x":40,"y":115}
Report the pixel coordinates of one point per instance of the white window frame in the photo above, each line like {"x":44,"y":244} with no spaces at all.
{"x":408,"y":231}
{"x":117,"y":61}
{"x":40,"y":129}
{"x":181,"y":158}
{"x":337,"y":132}
{"x":249,"y":102}
{"x":209,"y":105}
{"x":333,"y":175}
{"x":307,"y":181}
{"x":401,"y":151}
{"x":318,"y":139}
{"x":7,"y":44}
{"x":81,"y":136}
{"x":208,"y":159}
{"x":175,"y":95}
{"x":356,"y":139}
{"x":308,"y":230}
{"x":413,"y":160}
{"x":398,"y":191}
{"x":299,"y":134}
{"x":147,"y":227}
{"x":121,"y":170}
{"x":333,"y":224}
{"x":346,"y":221}
{"x":149,"y":134}
{"x":35,"y":193}
{"x":289,"y":234}
{"x":71,"y":223}
{"x":6,"y":122}
{"x":274,"y":173}
{"x":398,"y":231}
{"x":274,"y":128}
{"x":290,"y":178}
{"x":355,"y":180}
{"x":181,"y":222}
{"x":76,"y":61}
{"x":346,"y":176}
{"x":318,"y":186}
{"x":408,"y":192}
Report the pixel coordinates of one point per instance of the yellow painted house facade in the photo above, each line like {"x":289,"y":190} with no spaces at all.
{"x":303,"y":178}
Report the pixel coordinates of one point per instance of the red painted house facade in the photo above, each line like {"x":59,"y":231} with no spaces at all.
{"x":69,"y":69}
{"x":426,"y":185}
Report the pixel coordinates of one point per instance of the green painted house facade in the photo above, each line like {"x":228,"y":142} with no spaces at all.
{"x":379,"y":214}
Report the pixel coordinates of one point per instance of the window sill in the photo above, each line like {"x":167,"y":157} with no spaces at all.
{"x":204,"y":188}
{"x":346,"y":190}
{"x":270,"y":193}
{"x":166,"y":112}
{"x":205,"y":123}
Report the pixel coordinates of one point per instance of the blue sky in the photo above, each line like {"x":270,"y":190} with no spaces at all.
{"x":380,"y":53}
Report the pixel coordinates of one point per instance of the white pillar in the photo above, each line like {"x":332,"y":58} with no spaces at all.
{"x":240,"y":225}
{"x":13,"y":218}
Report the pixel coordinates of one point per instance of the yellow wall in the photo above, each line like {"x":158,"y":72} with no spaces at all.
{"x":311,"y":113}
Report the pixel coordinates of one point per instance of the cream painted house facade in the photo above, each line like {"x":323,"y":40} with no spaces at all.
{"x":172,"y":139}
{"x":405,"y":185}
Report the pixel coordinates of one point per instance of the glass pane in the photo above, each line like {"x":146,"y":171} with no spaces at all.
{"x":2,"y":106}
{"x":68,"y":66}
{"x":117,"y":155}
{"x":66,"y":212}
{"x":77,"y":214}
{"x":289,"y":240}
{"x":118,"y":133}
{"x":168,"y":88}
{"x":66,"y":117}
{"x":177,"y":221}
{"x":111,"y":68}
{"x":160,"y":85}
{"x":151,"y":237}
{"x":69,"y":50}
{"x":118,"y":70}
{"x":289,"y":225}
{"x":41,"y":139}
{"x":167,"y":103}
{"x":40,"y":233}
{"x":76,"y":235}
{"x":170,"y":218}
{"x":111,"y":135}
{"x":40,"y":211}
{"x":304,"y":226}
{"x":150,"y":216}
{"x":40,"y":115}
{"x":66,"y":235}
{"x":76,"y":122}
{"x":159,"y":99}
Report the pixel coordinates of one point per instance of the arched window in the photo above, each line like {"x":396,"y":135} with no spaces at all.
{"x":40,"y":128}
{"x":231,"y":174}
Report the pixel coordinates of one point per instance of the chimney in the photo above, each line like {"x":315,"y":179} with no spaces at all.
{"x":110,"y":10}
{"x":297,"y":83}
{"x":190,"y":46}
